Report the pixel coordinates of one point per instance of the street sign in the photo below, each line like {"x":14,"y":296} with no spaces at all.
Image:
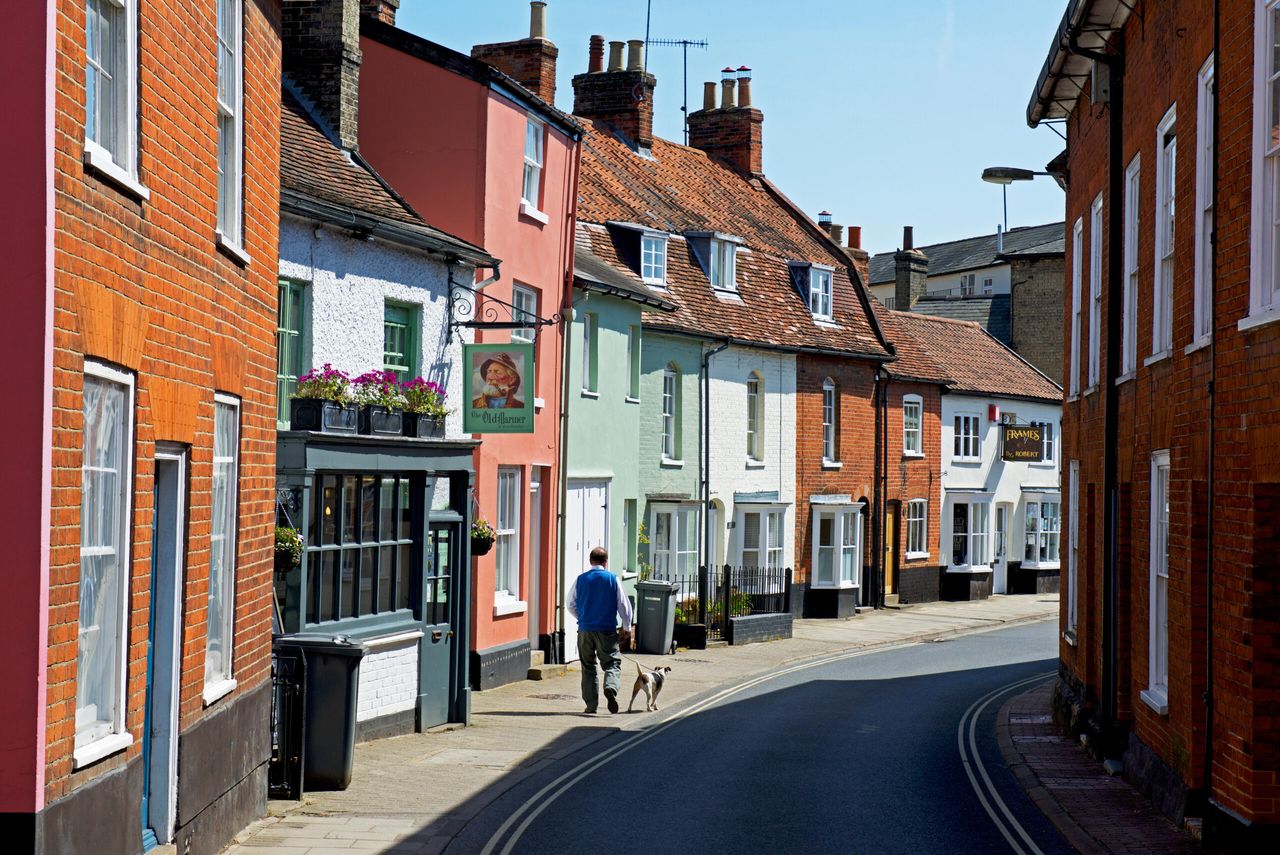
{"x":497,"y":397}
{"x":1022,"y":443}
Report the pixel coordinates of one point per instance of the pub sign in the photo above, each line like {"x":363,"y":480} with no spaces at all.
{"x":497,"y":388}
{"x":1022,"y":443}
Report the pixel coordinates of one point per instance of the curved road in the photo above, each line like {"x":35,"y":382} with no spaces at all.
{"x":854,"y":754}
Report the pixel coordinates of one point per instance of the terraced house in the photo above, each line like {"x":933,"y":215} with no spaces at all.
{"x":767,"y":328}
{"x":141,"y":229}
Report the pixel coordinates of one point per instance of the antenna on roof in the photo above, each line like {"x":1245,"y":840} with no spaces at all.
{"x":685,"y":44}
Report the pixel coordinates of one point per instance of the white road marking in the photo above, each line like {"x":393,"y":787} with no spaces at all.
{"x":971,"y":759}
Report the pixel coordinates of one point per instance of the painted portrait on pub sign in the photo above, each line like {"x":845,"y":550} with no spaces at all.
{"x":497,"y":388}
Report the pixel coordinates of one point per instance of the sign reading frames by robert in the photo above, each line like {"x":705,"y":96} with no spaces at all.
{"x":1022,"y":443}
{"x":496,"y":388}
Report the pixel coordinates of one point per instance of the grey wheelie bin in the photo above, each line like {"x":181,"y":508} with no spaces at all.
{"x":329,"y":715}
{"x":656,"y":615}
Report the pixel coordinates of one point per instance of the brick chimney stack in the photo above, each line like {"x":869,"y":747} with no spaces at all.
{"x":620,"y":96}
{"x":531,"y":62}
{"x":321,"y":54}
{"x":732,"y":133}
{"x":860,"y":257}
{"x":910,"y":273}
{"x":382,"y":10}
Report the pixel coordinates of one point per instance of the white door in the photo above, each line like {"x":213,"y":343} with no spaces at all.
{"x":1000,"y":576}
{"x":535,"y":554}
{"x":586,"y":527}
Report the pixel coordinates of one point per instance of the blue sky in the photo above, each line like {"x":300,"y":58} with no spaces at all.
{"x":882,"y":112}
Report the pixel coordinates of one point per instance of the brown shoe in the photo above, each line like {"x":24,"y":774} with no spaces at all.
{"x":611,"y":698}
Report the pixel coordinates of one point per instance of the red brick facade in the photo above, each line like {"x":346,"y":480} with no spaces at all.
{"x":1168,"y":405}
{"x":141,"y":284}
{"x":911,"y":477}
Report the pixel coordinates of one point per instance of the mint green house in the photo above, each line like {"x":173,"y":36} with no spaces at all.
{"x":607,"y":387}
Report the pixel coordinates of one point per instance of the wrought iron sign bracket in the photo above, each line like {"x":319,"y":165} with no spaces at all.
{"x":470,"y":308}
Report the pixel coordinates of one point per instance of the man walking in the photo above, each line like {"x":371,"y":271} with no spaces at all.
{"x":597,"y":600}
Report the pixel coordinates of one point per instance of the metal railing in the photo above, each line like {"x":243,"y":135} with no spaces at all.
{"x":714,"y":595}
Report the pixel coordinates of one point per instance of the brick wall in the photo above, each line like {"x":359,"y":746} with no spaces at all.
{"x":530,"y":62}
{"x":143,"y":285}
{"x":734,"y":135}
{"x":621,"y":99}
{"x":1167,"y":406}
{"x":388,"y":679}
{"x":917,"y":478}
{"x":1037,"y":288}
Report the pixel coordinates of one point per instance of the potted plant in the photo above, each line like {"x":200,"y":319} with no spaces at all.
{"x":381,"y":403}
{"x":322,"y":402}
{"x":289,"y":548}
{"x":424,"y":409}
{"x":482,"y":537}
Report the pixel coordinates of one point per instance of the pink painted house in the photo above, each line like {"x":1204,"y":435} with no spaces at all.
{"x":478,"y":149}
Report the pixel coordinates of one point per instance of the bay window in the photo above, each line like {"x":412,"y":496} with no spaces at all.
{"x":837,"y":546}
{"x":673,"y":544}
{"x":969,"y":531}
{"x":762,"y":538}
{"x":1043,"y":530}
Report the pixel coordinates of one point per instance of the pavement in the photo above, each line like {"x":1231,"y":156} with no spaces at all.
{"x":411,"y":795}
{"x":1096,"y":812}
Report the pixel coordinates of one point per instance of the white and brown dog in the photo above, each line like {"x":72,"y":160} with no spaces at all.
{"x":650,"y":682}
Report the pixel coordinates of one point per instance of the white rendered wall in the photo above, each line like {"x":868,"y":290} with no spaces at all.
{"x":388,"y":679}
{"x":349,"y":281}
{"x":731,"y":471}
{"x":1004,"y":481}
{"x":949,"y":283}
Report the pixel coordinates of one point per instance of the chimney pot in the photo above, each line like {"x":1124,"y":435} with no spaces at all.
{"x":726,"y":93}
{"x":824,"y":218}
{"x":709,"y":95}
{"x":855,"y":237}
{"x":907,"y":239}
{"x":538,"y":19}
{"x":837,"y":234}
{"x":615,"y":55}
{"x":744,"y":87}
{"x":635,"y":55}
{"x":726,"y":73}
{"x":595,"y":54}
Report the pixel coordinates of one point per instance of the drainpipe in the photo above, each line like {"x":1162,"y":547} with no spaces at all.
{"x":1115,"y":275}
{"x":706,"y":451}
{"x":1213,"y":412}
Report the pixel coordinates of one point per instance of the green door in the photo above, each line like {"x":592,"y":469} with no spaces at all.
{"x":444,"y":554}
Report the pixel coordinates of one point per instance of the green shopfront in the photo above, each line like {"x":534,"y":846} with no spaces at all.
{"x":385,"y":523}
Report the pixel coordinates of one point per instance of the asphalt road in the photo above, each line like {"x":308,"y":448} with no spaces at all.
{"x":860,"y":754}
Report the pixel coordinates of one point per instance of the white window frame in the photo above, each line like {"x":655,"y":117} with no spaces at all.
{"x":723,"y":266}
{"x":506,"y":525}
{"x":218,"y":681}
{"x":94,"y":743}
{"x":1129,"y":308}
{"x":524,"y":301}
{"x":1264,"y":220}
{"x":912,"y":437}
{"x":590,"y":354}
{"x":830,"y":421}
{"x":1035,"y":525}
{"x":1077,"y":277}
{"x":755,"y":417}
{"x":771,"y":543}
{"x":846,"y":543}
{"x":533,"y":161}
{"x":653,"y":259}
{"x":968,"y":284}
{"x":118,"y":162}
{"x":230,"y":47}
{"x":1095,"y":291}
{"x":820,"y":292}
{"x":1073,"y":547}
{"x":1156,"y":695}
{"x":988,"y":285}
{"x":977,"y":533}
{"x":1049,"y":442}
{"x":670,"y":415}
{"x":1166,"y":211}
{"x":668,"y":559}
{"x":917,"y":528}
{"x":1202,"y":315}
{"x":963,"y":441}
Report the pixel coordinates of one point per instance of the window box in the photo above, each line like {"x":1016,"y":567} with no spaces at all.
{"x":422,"y":426}
{"x":376,"y":420}
{"x":315,"y":414}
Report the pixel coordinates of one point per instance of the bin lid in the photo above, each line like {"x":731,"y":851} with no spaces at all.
{"x":323,"y":642}
{"x":657,"y":585}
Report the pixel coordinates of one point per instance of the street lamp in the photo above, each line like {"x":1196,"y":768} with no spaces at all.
{"x":1004,"y":176}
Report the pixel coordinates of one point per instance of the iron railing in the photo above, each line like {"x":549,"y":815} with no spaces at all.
{"x":714,"y":595}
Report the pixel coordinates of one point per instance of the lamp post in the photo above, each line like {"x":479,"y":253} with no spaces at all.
{"x":1004,"y":176}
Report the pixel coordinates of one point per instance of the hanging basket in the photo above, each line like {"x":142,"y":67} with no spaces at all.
{"x":481,"y":546}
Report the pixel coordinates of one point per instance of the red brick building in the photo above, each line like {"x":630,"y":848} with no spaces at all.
{"x":1171,"y":619}
{"x":143,"y":225}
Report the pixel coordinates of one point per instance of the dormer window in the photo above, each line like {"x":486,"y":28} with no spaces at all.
{"x":653,"y":259}
{"x":723,"y":271}
{"x":820,"y":293}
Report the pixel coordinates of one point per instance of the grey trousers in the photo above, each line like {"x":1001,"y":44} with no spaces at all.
{"x":602,"y":646}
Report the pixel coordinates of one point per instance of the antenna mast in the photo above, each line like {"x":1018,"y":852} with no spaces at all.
{"x":684,"y":44}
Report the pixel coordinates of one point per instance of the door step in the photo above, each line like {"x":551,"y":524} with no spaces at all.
{"x":548,"y":672}
{"x":537,"y":657}
{"x":890,"y":599}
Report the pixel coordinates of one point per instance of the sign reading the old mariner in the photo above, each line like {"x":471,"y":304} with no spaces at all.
{"x":1022,"y":443}
{"x":497,"y":388}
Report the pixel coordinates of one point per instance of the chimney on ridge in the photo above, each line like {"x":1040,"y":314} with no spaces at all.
{"x":619,"y":96}
{"x":860,"y":257}
{"x":382,"y":10}
{"x":321,"y":54}
{"x":732,"y":133}
{"x":910,"y":273}
{"x":531,"y":62}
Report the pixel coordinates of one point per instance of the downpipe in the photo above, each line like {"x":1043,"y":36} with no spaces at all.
{"x":706,"y":450}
